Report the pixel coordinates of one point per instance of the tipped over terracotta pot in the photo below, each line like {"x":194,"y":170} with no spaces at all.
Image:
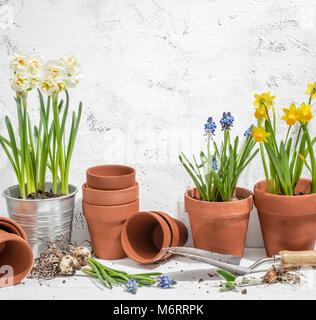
{"x":145,"y":234}
{"x":178,"y":230}
{"x":110,"y":177}
{"x":219,"y":226}
{"x":16,"y":256}
{"x":105,"y":225}
{"x":287,"y":222}
{"x":110,"y":197}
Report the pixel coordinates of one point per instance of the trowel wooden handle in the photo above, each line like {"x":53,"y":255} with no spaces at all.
{"x":291,"y":259}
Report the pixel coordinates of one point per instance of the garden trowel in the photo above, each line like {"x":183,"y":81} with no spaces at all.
{"x":286,"y":259}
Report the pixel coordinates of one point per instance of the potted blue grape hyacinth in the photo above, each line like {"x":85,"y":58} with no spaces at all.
{"x":217,"y":208}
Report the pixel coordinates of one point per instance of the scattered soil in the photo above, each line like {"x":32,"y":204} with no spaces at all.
{"x":46,"y":266}
{"x":244,"y":291}
{"x":233,"y":198}
{"x":279,"y":274}
{"x":39,"y":194}
{"x":43,"y":195}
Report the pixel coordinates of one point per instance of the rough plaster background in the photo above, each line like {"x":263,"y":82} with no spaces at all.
{"x":154,"y":70}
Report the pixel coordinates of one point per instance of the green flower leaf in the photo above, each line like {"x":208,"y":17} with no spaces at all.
{"x":229,"y":277}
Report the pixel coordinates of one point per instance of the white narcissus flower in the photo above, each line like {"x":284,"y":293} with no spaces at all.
{"x":35,"y":63}
{"x":20,"y":82}
{"x":33,"y":81}
{"x":72,"y":69}
{"x":61,"y":85}
{"x":19,"y":61}
{"x":54,"y":69}
{"x":73,"y":78}
{"x":52,"y":77}
{"x":48,"y":85}
{"x":70,"y":61}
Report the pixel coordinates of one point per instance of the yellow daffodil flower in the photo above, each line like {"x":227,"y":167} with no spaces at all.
{"x":304,"y":113}
{"x":259,"y":134}
{"x":264,"y":99}
{"x":311,"y":87}
{"x":291,"y":115}
{"x":261,"y":113}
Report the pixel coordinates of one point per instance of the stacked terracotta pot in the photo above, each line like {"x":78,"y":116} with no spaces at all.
{"x":117,"y":228}
{"x":110,"y":197}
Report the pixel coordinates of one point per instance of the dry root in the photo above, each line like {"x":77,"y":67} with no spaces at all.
{"x":46,"y":266}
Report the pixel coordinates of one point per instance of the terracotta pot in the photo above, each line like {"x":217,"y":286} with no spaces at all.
{"x":110,"y":177}
{"x":105,"y":225}
{"x":11,"y":226}
{"x":287,"y":222}
{"x":144,"y":235}
{"x":219,"y":226}
{"x":178,"y":230}
{"x":110,"y":197}
{"x":15,"y":253}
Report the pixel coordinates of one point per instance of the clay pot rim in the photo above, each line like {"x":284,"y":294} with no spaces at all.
{"x":107,"y":214}
{"x":12,"y":236}
{"x":171,"y":224}
{"x":16,"y":226}
{"x":109,"y":191}
{"x":175,"y":234}
{"x":275,"y":196}
{"x":222,"y":203}
{"x":66,"y":196}
{"x":111,"y":206}
{"x":88,"y":172}
{"x":131,"y":253}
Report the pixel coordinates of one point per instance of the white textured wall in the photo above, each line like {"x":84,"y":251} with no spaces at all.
{"x":154,"y":70}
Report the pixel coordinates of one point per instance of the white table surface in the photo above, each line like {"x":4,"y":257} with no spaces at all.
{"x":186,"y":272}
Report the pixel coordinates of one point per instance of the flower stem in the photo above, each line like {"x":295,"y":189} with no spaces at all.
{"x":312,"y":157}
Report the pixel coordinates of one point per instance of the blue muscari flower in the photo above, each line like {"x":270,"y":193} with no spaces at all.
{"x":227,"y":121}
{"x":210,"y":126}
{"x":214,"y":163}
{"x":248,"y":131}
{"x":165,"y":282}
{"x":131,"y":286}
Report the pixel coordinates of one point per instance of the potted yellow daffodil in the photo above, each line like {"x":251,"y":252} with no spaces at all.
{"x":286,"y":202}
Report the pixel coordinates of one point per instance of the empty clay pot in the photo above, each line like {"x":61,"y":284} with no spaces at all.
{"x":11,"y":226}
{"x":144,"y":235}
{"x":110,"y":197}
{"x":16,"y":256}
{"x":105,"y":225}
{"x":178,"y":230}
{"x":287,"y":222}
{"x":110,"y":177}
{"x":219,"y":226}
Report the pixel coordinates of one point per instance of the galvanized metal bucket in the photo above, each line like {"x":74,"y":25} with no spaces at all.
{"x":42,"y":220}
